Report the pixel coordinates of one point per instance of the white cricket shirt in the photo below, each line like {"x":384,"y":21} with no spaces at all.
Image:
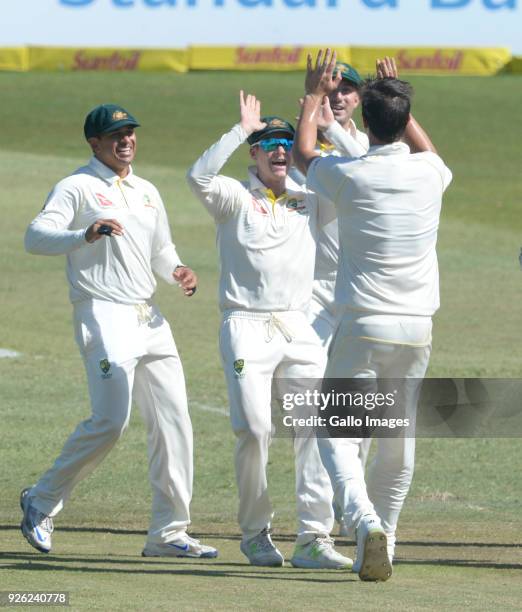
{"x":388,"y":206}
{"x":116,"y":268}
{"x":353,"y":143}
{"x":266,"y":244}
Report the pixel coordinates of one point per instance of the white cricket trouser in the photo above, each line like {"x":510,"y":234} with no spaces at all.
{"x":129,"y":354}
{"x":324,"y":315}
{"x":402,"y":352}
{"x":255,"y":348}
{"x":323,"y":312}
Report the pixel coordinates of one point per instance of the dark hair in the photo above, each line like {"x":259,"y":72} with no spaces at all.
{"x":386,"y":107}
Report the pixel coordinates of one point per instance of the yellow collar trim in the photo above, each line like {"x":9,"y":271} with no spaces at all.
{"x":325,"y":147}
{"x":272,"y":197}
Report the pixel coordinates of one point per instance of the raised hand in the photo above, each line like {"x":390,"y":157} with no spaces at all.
{"x":387,"y":68}
{"x":250,"y":110}
{"x":325,"y":116}
{"x":320,"y":79}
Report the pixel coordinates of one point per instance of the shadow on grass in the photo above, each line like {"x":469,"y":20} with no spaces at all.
{"x":459,"y":563}
{"x":35,"y":562}
{"x":247,"y":572}
{"x":277,"y":537}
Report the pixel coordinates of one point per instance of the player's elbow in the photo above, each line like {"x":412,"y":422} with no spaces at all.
{"x":34,"y":242}
{"x":193,"y":178}
{"x":31,"y":241}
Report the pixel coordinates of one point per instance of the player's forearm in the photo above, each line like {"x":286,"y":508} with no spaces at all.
{"x":43,"y":240}
{"x":417,"y":138}
{"x":219,"y":194}
{"x":306,"y":134}
{"x":214,"y":158}
{"x":343,"y":141}
{"x":165,"y":262}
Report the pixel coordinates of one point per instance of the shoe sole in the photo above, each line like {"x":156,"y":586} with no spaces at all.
{"x":29,"y":539}
{"x":274,"y":563}
{"x":310,"y":564}
{"x":207,"y":555}
{"x":376,"y":566}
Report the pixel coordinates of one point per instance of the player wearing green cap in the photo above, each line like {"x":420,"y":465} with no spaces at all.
{"x":339,"y":136}
{"x":113,"y":227}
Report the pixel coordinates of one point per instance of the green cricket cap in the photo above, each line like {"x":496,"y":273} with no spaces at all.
{"x":107,"y":118}
{"x":348,"y":73}
{"x":274,"y":125}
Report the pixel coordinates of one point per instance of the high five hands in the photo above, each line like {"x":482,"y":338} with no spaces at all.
{"x":250,"y":112}
{"x":386,"y":68}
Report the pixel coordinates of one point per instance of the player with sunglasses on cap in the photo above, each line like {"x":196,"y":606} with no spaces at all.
{"x":266,"y":228}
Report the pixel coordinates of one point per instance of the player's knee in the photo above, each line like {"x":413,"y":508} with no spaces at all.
{"x":113,"y":426}
{"x":254,"y":433}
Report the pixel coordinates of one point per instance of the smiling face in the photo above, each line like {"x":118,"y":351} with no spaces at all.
{"x":343,"y":101}
{"x":116,"y":149}
{"x":272,"y":166}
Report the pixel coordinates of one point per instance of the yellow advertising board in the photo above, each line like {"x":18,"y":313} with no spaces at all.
{"x":432,"y":60}
{"x":93,"y":59}
{"x":255,"y":57}
{"x":515,"y":65}
{"x":410,"y":60}
{"x":14,"y":58}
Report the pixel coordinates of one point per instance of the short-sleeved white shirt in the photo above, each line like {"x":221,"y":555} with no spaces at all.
{"x":388,"y":205}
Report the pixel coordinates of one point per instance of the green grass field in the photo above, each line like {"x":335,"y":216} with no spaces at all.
{"x":459,"y":537}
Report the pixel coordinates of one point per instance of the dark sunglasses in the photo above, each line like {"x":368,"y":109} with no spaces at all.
{"x":271,"y":144}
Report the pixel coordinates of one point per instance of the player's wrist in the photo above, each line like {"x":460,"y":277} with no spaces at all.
{"x":89,"y":236}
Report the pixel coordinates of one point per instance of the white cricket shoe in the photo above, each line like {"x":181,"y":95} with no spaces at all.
{"x":182,"y":546}
{"x":319,"y":554}
{"x":339,"y":519}
{"x":260,"y":550}
{"x":36,"y":526}
{"x":372,"y":562}
{"x":344,"y":531}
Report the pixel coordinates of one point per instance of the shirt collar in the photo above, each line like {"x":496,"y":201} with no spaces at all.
{"x":292,"y":188}
{"x":394,"y":148}
{"x":108,"y":175}
{"x":352,"y":128}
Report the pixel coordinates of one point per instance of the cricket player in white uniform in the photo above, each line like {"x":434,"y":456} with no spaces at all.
{"x":388,"y":205}
{"x":337,"y":135}
{"x":113,"y":228}
{"x":266,"y":230}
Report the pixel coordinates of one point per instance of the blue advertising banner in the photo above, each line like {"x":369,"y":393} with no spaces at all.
{"x":180,"y":23}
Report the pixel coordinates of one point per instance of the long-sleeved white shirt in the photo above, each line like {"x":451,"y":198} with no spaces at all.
{"x":116,"y":268}
{"x":353,"y":143}
{"x":266,"y":244}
